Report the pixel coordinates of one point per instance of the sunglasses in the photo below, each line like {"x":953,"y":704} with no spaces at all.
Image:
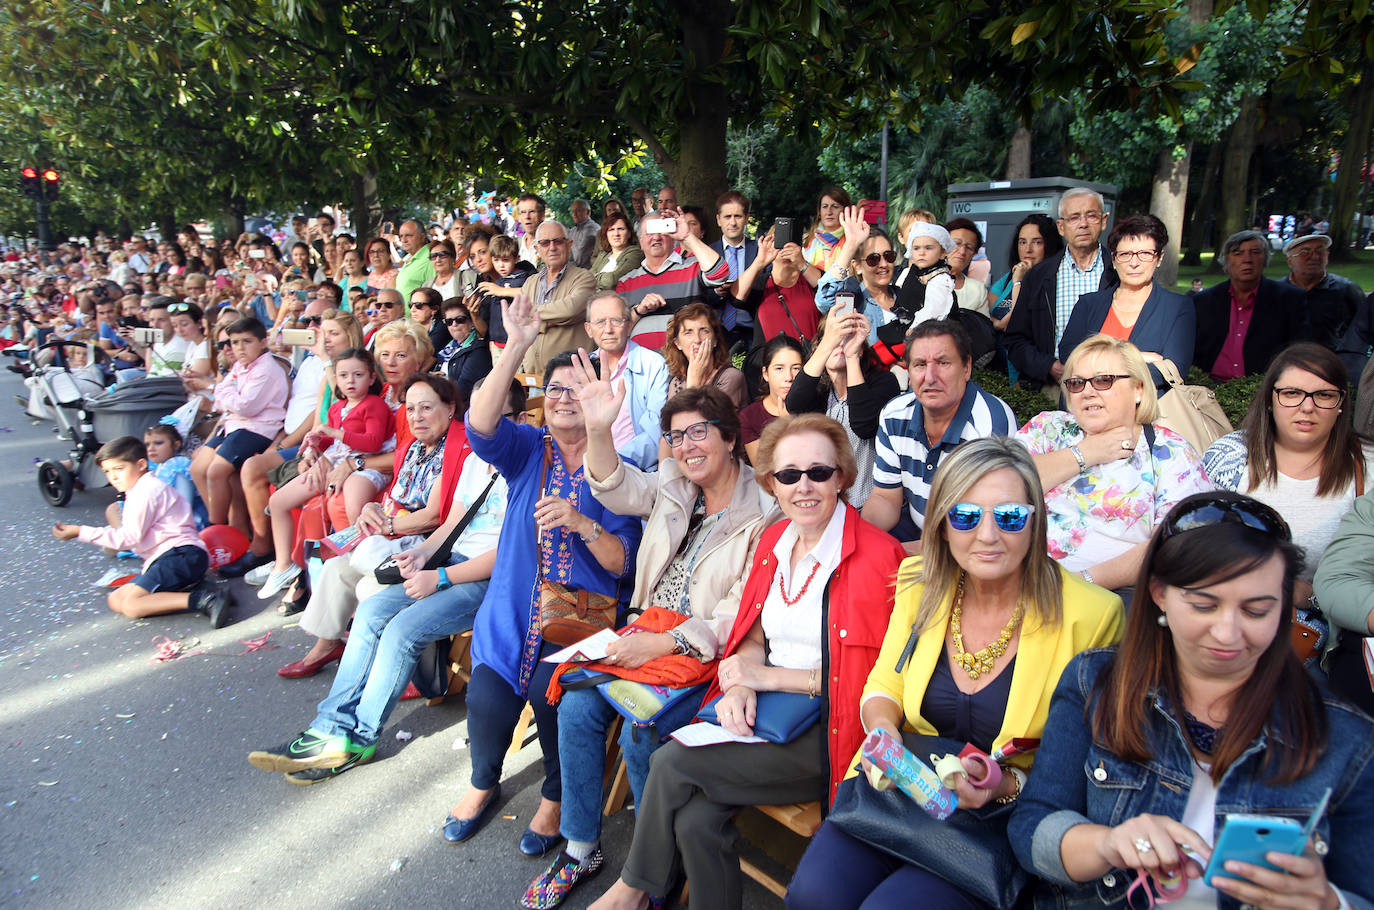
{"x":308,"y":321}
{"x":178,"y":307}
{"x":456,"y":320}
{"x":224,"y":345}
{"x":1203,"y":511}
{"x":872,"y":259}
{"x":1009,"y":516}
{"x":439,"y":254}
{"x":791,"y":476}
{"x":695,"y":432}
{"x":1076,"y":384}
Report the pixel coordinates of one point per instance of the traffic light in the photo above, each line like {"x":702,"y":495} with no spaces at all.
{"x":52,"y":184}
{"x":29,"y":179}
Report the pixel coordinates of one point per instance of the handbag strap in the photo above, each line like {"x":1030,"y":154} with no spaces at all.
{"x":1169,"y":372}
{"x":1359,"y":476}
{"x":543,"y":481}
{"x":446,"y":548}
{"x":801,"y":336}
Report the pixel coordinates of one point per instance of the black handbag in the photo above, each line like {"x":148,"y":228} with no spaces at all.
{"x":388,"y":573}
{"x":969,"y":849}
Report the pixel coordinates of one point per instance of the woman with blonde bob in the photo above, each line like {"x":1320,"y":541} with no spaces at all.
{"x":1110,"y":473}
{"x":984,"y":623}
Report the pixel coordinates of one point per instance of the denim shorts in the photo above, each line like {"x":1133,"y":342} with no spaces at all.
{"x":179,"y":569}
{"x":238,"y":446}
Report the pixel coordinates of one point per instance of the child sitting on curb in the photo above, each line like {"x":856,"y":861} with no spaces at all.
{"x":156,"y":525}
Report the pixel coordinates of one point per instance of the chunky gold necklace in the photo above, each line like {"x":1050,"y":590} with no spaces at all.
{"x":982,"y":660}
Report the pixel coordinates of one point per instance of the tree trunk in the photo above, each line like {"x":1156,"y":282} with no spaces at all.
{"x":1235,"y":170}
{"x":235,"y":209}
{"x":167,"y":225}
{"x":367,"y":208}
{"x":1203,"y":206}
{"x":1019,"y":155}
{"x":1168,"y":197}
{"x":699,"y":173}
{"x":1346,"y":192}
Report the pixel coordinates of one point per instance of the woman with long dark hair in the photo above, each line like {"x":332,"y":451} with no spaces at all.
{"x":1201,"y":713}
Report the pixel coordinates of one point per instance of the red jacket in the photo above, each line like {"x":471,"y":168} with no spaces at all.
{"x":858,"y":603}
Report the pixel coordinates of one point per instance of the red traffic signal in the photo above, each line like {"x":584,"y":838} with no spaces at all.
{"x":30,"y":173}
{"x":51,"y":176}
{"x":52,"y":184}
{"x":29,"y":182}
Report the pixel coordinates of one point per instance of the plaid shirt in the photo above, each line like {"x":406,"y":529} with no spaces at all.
{"x":1071,"y":282}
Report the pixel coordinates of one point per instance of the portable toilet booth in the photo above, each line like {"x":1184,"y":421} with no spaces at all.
{"x":997,"y":206}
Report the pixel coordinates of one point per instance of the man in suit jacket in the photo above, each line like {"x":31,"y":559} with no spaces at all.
{"x":738,"y":251}
{"x":1244,"y":321}
{"x":559,"y":292}
{"x":1050,"y":289}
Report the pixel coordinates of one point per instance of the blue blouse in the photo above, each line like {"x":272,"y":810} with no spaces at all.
{"x":506,"y":635}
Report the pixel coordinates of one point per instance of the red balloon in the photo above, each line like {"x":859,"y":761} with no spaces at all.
{"x":226,"y":543}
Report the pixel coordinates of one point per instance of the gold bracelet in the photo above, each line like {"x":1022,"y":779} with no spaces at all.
{"x":1017,"y":775}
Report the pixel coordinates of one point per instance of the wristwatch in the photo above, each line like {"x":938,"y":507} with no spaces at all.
{"x":443,"y":582}
{"x":596,"y":532}
{"x":359,"y":463}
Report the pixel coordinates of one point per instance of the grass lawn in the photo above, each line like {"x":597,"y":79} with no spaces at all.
{"x":1361,"y":271}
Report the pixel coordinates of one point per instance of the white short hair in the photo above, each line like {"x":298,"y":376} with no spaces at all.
{"x":1075,"y":192}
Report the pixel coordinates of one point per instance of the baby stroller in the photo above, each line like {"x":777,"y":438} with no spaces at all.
{"x":86,"y":421}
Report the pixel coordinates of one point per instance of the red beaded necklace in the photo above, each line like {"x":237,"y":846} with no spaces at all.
{"x":791,"y":601}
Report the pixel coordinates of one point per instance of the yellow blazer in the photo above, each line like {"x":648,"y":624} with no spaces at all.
{"x":1093,"y":617}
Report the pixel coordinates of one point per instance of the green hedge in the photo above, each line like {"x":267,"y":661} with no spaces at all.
{"x":1234,"y":396}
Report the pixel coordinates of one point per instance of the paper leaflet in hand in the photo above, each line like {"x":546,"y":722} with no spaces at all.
{"x":913,"y":776}
{"x":341,"y":542}
{"x":586,"y":650}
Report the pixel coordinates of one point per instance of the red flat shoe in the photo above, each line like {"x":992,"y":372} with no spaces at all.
{"x":300,"y":669}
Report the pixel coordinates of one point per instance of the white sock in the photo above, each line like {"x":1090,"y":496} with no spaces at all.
{"x":580,"y":850}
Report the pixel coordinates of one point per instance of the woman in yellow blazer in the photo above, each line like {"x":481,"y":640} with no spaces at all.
{"x":984,"y":624}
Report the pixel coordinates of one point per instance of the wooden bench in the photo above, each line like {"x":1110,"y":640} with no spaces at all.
{"x":802,"y":819}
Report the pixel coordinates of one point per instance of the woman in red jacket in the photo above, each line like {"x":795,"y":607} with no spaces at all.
{"x":812,"y":619}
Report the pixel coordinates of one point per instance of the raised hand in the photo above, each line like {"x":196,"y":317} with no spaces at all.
{"x":859,"y":328}
{"x":601,"y":401}
{"x":521,"y":320}
{"x":856,"y":229}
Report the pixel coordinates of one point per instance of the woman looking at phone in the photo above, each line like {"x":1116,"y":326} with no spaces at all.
{"x":1202,"y":711}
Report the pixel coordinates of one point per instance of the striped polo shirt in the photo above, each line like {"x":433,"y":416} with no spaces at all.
{"x":906,"y":459}
{"x":680,"y":281}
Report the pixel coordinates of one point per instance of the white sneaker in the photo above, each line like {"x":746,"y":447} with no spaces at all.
{"x":277,"y":582}
{"x":259,"y":575}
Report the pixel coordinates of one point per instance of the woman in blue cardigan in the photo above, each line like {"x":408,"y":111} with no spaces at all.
{"x":1158,"y":322}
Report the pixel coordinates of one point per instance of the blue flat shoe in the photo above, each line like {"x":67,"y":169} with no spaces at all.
{"x":457,"y":830}
{"x":532,"y":844}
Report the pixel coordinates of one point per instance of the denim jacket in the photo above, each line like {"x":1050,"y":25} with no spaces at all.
{"x":1075,"y":781}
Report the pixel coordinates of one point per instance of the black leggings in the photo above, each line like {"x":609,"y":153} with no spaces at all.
{"x":494,"y":710}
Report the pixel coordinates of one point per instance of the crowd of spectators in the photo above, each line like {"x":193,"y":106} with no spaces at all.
{"x":768,"y":456}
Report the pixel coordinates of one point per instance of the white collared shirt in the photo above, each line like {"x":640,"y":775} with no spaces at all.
{"x":795,"y":632}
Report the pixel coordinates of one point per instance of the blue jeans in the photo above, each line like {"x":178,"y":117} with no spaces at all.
{"x":583,"y":718}
{"x":390,"y":630}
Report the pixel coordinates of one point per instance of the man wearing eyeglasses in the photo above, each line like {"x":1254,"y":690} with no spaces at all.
{"x":417,"y":269}
{"x":1332,"y":300}
{"x":666,"y":281}
{"x":636,"y":430}
{"x":559,"y":292}
{"x":529,"y":212}
{"x":1244,"y":321}
{"x":942,"y":408}
{"x":1052,"y":288}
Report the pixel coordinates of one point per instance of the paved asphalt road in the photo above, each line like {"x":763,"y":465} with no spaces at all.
{"x":124,"y":781}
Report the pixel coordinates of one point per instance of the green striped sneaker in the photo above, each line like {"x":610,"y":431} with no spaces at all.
{"x":311,"y":749}
{"x":357,"y":755}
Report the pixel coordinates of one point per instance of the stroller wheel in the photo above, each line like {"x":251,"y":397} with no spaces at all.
{"x":55,"y":483}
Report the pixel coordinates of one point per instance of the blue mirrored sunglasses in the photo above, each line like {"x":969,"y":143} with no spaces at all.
{"x":1010,"y":516}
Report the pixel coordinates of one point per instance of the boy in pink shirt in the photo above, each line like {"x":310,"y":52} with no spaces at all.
{"x":159,"y":527}
{"x":252,"y":399}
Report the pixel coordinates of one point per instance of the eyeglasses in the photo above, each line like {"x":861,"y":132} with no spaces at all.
{"x":439,"y":254}
{"x":1103,"y":382}
{"x":695,"y":432}
{"x":224,"y":345}
{"x":1202,"y":511}
{"x":1083,"y":217}
{"x":872,"y":259}
{"x":612,"y":321}
{"x":818,"y":474}
{"x":1009,"y":516}
{"x":556,"y":392}
{"x":420,"y":303}
{"x":309,"y":321}
{"x":456,"y":320}
{"x":550,"y":241}
{"x":1312,"y":251}
{"x":1326,"y":399}
{"x":178,"y":307}
{"x":1145,"y":256}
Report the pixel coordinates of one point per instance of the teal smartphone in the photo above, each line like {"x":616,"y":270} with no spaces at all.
{"x":1249,"y":837}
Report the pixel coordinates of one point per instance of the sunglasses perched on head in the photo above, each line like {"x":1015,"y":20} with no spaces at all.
{"x":818,"y":474}
{"x":1204,"y":511}
{"x":178,"y":307}
{"x":872,"y":259}
{"x":1009,"y":516}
